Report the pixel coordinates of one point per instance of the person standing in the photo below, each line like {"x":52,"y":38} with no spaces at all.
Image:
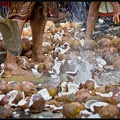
{"x":36,"y":13}
{"x":93,"y":15}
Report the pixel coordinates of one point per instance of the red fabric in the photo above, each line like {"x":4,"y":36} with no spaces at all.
{"x":52,"y":7}
{"x":105,"y":14}
{"x":5,"y":4}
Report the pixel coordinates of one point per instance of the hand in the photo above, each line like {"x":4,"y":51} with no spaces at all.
{"x":116,"y":14}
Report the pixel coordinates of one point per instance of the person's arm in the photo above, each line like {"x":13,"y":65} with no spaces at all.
{"x":116,"y":11}
{"x":92,"y":18}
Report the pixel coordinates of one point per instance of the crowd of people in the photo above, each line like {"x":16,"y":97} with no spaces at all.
{"x":37,"y":12}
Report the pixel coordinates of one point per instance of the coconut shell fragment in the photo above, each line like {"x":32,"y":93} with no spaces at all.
{"x":37,"y":103}
{"x":109,"y":111}
{"x":72,"y":110}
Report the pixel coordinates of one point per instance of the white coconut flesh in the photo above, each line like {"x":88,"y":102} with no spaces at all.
{"x":110,"y":94}
{"x":22,"y":102}
{"x":13,"y":95}
{"x":45,"y":94}
{"x":1,"y":96}
{"x":72,"y":87}
{"x":89,"y":102}
{"x":97,"y":104}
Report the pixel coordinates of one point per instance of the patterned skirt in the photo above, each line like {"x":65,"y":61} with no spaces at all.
{"x":23,"y":10}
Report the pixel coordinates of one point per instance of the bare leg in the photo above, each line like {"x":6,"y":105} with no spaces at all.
{"x":37,"y":26}
{"x":10,"y":65}
{"x":92,"y":18}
